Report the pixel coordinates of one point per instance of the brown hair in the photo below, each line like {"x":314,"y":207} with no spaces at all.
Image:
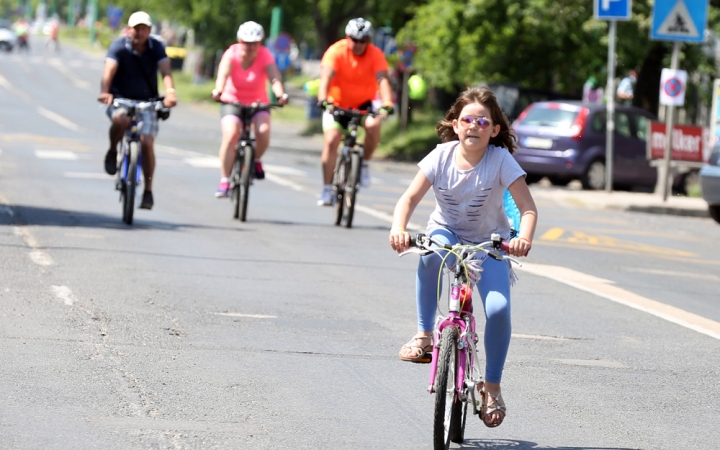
{"x":482,"y":94}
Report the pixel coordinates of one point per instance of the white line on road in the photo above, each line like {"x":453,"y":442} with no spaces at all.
{"x":250,"y":316}
{"x":283,"y":182}
{"x":56,"y":154}
{"x":204,"y":162}
{"x":90,"y":175}
{"x":63,"y":293}
{"x":57,"y":118}
{"x":6,"y":84}
{"x":37,"y":256}
{"x":605,"y":289}
{"x":58,"y":65}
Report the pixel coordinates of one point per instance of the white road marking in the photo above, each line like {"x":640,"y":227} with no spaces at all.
{"x":6,"y":84}
{"x":8,"y":210}
{"x":37,"y":256}
{"x":57,"y":118}
{"x":205,"y":162}
{"x":605,"y":289}
{"x":283,"y":182}
{"x":41,"y":258}
{"x":250,"y":316}
{"x":63,"y":293}
{"x":56,"y":154}
{"x":58,"y":65}
{"x":284,"y":170}
{"x":387,"y":217}
{"x":90,"y":175}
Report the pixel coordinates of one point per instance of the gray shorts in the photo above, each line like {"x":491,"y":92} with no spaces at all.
{"x":148,"y":119}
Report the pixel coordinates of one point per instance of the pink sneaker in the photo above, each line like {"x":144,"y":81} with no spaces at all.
{"x":259,"y":172}
{"x":223,"y":190}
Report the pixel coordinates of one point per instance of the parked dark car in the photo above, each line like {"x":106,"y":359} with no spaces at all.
{"x":710,"y":183}
{"x":565,"y":140}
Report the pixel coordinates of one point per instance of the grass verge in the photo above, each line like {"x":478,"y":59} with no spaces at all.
{"x":413,"y":144}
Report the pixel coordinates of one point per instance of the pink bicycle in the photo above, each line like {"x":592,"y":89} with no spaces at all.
{"x":455,"y":371}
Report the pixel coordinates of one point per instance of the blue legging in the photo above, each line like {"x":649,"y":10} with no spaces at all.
{"x":494,"y":288}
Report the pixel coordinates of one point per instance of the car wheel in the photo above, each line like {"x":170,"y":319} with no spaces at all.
{"x":5,"y":47}
{"x":594,"y":176}
{"x":714,"y":212}
{"x":559,"y":181}
{"x":532,"y":178}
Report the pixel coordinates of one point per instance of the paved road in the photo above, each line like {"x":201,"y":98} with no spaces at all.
{"x":191,"y":330}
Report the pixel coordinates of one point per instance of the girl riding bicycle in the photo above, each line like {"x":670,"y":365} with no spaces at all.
{"x":469,"y":173}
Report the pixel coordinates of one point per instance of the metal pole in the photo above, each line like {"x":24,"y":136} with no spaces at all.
{"x":610,"y":124}
{"x":93,"y":19}
{"x":71,"y":14}
{"x":664,"y":174}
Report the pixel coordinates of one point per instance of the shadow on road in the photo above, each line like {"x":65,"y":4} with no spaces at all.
{"x":33,"y":215}
{"x":509,"y":444}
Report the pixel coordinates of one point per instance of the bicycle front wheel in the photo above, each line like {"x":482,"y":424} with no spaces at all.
{"x":342,"y":169}
{"x":351,"y":188}
{"x":245,"y":180}
{"x":235,"y":182}
{"x":130,"y":182}
{"x":445,"y":394}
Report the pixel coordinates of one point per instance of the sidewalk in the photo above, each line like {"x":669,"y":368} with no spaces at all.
{"x":287,"y":136}
{"x":623,"y":201}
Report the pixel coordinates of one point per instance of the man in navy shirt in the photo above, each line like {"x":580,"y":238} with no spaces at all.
{"x":131,"y":68}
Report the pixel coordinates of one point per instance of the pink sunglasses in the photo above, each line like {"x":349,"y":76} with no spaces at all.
{"x":481,"y":122}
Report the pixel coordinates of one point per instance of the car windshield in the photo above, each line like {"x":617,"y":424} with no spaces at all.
{"x":542,"y":116}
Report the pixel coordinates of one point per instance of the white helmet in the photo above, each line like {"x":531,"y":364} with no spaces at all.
{"x":359,"y":28}
{"x":250,"y":32}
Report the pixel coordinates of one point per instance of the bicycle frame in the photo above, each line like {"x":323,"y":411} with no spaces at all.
{"x":467,"y":339}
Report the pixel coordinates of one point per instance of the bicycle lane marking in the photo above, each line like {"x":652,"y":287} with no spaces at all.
{"x":605,"y":289}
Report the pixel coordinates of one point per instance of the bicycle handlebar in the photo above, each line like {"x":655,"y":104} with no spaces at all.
{"x":139,"y":104}
{"x":337,"y":111}
{"x":423,"y":241}
{"x":258,"y":106}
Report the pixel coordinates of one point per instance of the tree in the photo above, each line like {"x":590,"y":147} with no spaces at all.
{"x":545,"y":44}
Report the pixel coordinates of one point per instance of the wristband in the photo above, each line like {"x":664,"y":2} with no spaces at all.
{"x":401,"y":229}
{"x":284,"y":96}
{"x":526,"y":240}
{"x":170,"y":91}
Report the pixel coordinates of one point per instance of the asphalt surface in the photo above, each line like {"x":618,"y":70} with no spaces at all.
{"x":191,"y":330}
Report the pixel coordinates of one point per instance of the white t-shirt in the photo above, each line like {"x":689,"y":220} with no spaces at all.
{"x":470,"y":202}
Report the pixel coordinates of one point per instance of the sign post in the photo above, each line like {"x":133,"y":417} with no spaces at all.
{"x":612,"y":10}
{"x":677,"y":21}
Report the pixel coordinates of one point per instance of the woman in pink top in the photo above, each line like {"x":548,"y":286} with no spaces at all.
{"x":242,"y":77}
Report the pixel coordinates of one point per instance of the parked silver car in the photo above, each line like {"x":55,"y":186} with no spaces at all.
{"x":7,"y":37}
{"x":710,"y":183}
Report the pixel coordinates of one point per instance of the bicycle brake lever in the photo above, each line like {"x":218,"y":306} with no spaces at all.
{"x":416,"y":251}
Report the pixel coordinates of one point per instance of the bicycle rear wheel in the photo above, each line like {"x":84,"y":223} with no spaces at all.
{"x":235,"y":182}
{"x":351,"y":188}
{"x":245,"y":180}
{"x":445,"y":394}
{"x":130,"y":182}
{"x":342,"y":169}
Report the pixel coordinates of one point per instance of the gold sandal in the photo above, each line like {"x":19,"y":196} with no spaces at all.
{"x":421,"y":354}
{"x":487,"y":408}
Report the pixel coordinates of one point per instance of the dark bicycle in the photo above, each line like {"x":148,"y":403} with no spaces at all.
{"x":243,"y":171}
{"x":346,"y":179}
{"x":130,"y":167}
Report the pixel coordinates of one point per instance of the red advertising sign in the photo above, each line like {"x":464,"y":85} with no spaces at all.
{"x":688,"y":142}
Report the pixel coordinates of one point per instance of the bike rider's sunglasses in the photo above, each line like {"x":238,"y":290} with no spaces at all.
{"x":360,"y":41}
{"x":481,"y":122}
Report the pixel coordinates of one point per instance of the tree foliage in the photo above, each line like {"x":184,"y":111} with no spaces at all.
{"x":553,"y":45}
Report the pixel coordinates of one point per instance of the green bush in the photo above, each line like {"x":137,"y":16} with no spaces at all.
{"x":413,"y":144}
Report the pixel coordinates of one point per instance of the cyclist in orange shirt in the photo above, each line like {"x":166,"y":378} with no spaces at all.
{"x":351,"y":71}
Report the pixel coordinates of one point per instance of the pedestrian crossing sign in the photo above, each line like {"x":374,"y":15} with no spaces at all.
{"x":679,"y":20}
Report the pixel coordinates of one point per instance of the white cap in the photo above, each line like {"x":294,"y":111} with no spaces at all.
{"x":138,"y":18}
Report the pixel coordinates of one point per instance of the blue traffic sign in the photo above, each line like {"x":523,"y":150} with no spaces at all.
{"x":679,"y":20}
{"x":612,"y":9}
